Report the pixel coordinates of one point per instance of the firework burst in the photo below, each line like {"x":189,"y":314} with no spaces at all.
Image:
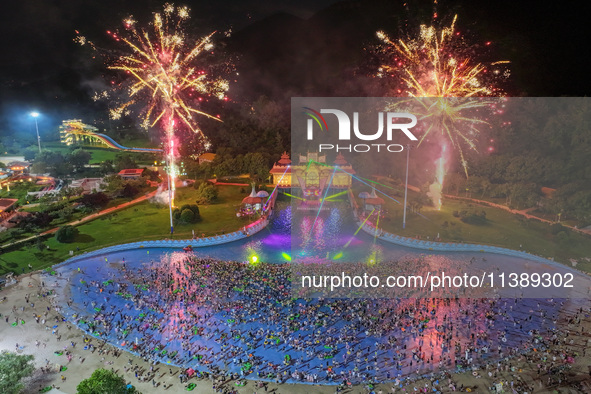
{"x":164,"y":76}
{"x":436,"y":69}
{"x":458,"y":120}
{"x":163,"y":64}
{"x":439,"y":64}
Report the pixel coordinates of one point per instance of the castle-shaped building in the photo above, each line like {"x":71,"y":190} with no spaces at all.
{"x":312,"y":173}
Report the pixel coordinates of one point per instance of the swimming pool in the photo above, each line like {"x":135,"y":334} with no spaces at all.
{"x":173,"y":307}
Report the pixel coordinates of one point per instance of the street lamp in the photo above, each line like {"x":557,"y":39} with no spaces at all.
{"x":36,"y":115}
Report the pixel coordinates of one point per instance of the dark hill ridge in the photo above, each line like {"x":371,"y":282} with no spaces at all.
{"x":269,"y":51}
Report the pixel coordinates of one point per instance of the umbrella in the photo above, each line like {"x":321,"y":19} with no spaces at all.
{"x":262,"y":193}
{"x":364,"y":195}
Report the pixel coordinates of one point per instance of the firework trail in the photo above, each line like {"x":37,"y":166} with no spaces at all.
{"x":167,"y":79}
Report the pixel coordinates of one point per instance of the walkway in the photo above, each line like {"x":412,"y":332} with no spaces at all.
{"x":86,"y":218}
{"x":523,"y":212}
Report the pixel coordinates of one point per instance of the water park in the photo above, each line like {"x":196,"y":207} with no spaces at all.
{"x":323,"y":197}
{"x":230,"y":304}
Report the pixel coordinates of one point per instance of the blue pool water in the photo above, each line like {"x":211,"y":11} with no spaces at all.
{"x":156,"y":302}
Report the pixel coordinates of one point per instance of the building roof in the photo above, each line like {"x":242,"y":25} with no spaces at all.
{"x":283,"y":165}
{"x":252,"y":198}
{"x":373,"y":198}
{"x":6,"y":203}
{"x":340,"y":160}
{"x":207,"y":156}
{"x":285,"y":160}
{"x":314,"y":156}
{"x":24,"y":164}
{"x":83,"y":182}
{"x":131,"y":171}
{"x":280,"y":170}
{"x":548,"y":192}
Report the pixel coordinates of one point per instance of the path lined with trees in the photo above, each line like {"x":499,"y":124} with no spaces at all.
{"x":522,"y":212}
{"x":86,"y":218}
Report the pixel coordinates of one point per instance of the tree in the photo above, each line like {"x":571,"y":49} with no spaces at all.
{"x":119,"y":187}
{"x":206,"y":193}
{"x":124,"y":161}
{"x":523,"y":195}
{"x":54,"y":162}
{"x":51,"y":158}
{"x":39,"y":167}
{"x":95,"y":200}
{"x":29,"y":153}
{"x":203,"y":171}
{"x":151,"y":175}
{"x":474,"y":185}
{"x":62,"y":169}
{"x":556,"y":228}
{"x":187,"y":216}
{"x":65,"y":213}
{"x":39,"y":244}
{"x":114,"y":184}
{"x":13,"y":368}
{"x":67,"y":192}
{"x":66,"y":234}
{"x":256,"y":166}
{"x":473,"y":217}
{"x":129,"y":190}
{"x":106,"y":167}
{"x":79,"y":158}
{"x":563,"y":238}
{"x":73,"y":191}
{"x":223,"y":163}
{"x":188,"y":213}
{"x":269,"y":114}
{"x":193,"y":144}
{"x":103,"y":381}
{"x":36,"y":221}
{"x":454,"y":183}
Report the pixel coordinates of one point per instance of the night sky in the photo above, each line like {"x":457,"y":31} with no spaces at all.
{"x":42,"y":68}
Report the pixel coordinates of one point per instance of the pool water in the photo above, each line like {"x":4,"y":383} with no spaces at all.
{"x":166,"y":305}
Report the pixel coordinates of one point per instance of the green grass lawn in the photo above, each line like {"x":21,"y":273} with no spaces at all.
{"x":148,"y":221}
{"x":500,"y":228}
{"x":19,"y":190}
{"x":99,"y":153}
{"x":137,"y":143}
{"x":143,"y":221}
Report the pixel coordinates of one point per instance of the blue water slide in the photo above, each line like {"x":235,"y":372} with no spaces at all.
{"x":114,"y":144}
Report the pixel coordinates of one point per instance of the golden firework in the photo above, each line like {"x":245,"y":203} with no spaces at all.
{"x":162,"y":61}
{"x":448,"y":87}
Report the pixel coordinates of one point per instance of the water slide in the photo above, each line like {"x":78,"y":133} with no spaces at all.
{"x":115,"y":145}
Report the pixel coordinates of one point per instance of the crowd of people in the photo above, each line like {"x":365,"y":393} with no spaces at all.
{"x":241,"y":321}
